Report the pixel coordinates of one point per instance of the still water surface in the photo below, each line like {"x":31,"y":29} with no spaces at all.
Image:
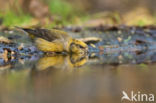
{"x":57,"y":79}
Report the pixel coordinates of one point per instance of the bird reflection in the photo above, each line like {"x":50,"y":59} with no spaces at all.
{"x":61,"y":61}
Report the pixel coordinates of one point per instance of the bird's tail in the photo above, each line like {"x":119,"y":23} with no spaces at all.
{"x":32,"y":33}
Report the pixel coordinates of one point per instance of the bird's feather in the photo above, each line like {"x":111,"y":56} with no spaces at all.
{"x":49,"y":35}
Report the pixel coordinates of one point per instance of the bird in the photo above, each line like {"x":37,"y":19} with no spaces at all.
{"x":53,"y":40}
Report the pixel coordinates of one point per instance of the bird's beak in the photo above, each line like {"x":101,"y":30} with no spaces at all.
{"x":86,"y":49}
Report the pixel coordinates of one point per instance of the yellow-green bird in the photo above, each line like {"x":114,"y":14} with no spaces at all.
{"x":52,"y":40}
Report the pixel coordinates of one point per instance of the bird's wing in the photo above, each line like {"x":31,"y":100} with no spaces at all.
{"x":49,"y":35}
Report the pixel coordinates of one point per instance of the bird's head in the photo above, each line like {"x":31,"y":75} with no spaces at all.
{"x":78,"y":46}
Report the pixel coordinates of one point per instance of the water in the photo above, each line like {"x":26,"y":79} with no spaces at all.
{"x":56,"y":79}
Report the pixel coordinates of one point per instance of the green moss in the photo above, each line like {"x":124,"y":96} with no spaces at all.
{"x":141,"y":23}
{"x":14,"y":17}
{"x":64,"y":12}
{"x":10,"y":18}
{"x":61,"y":8}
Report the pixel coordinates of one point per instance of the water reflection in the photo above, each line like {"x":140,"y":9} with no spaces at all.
{"x":88,"y":84}
{"x":93,"y":78}
{"x":73,"y":61}
{"x":61,"y":61}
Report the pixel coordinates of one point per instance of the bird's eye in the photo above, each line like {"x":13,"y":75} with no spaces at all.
{"x":81,"y":46}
